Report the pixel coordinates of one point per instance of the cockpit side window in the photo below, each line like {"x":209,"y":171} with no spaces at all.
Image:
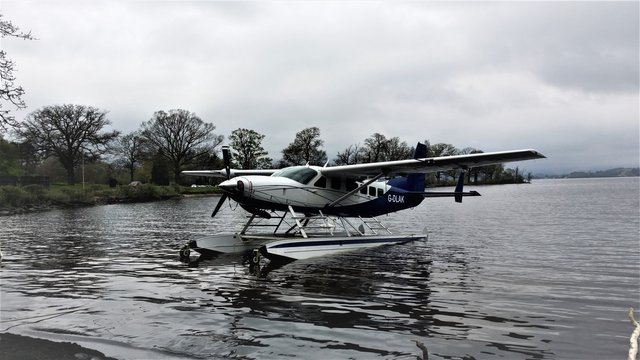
{"x":301,"y":174}
{"x":351,"y":184}
{"x":336,"y":183}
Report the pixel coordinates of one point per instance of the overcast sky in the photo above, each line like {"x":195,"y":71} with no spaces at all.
{"x":558,"y":77}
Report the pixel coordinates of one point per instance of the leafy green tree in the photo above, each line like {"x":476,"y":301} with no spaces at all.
{"x":10,"y":93}
{"x":305,"y":148}
{"x":160,"y":170}
{"x":180,"y":136}
{"x":71,"y":133}
{"x":247,"y":149}
{"x":29,"y":157}
{"x":9,"y":159}
{"x":491,"y":173}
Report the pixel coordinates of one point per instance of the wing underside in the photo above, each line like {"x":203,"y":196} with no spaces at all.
{"x":435,"y":164}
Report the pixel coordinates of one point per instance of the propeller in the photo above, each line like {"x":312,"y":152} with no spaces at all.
{"x":459,"y":187}
{"x":226,"y":158}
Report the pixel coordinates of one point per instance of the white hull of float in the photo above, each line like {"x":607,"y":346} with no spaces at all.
{"x":299,"y":237}
{"x":305,"y":248}
{"x":228,"y":243}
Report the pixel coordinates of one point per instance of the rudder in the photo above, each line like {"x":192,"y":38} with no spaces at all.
{"x":416,"y":182}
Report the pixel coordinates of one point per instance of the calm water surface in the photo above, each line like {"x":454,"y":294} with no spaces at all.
{"x":540,"y":271}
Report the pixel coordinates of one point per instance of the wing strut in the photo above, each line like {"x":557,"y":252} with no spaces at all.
{"x":365,"y":184}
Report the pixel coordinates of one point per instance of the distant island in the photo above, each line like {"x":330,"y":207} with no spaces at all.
{"x":616,"y":172}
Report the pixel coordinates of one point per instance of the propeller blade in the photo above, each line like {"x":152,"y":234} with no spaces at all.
{"x":226,"y":158}
{"x":223,"y":198}
{"x":459,"y":187}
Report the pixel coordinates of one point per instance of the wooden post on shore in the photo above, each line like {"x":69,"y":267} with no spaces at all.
{"x":633,"y":342}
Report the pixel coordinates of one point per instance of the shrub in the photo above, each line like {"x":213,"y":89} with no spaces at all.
{"x":15,"y":196}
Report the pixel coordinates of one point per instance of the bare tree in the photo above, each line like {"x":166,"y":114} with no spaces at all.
{"x":397,"y":150}
{"x":180,"y":136}
{"x":376,"y":146}
{"x":9,"y":92}
{"x":131,"y":150}
{"x":354,"y":154}
{"x":71,"y":133}
{"x":442,"y":149}
{"x":475,"y":172}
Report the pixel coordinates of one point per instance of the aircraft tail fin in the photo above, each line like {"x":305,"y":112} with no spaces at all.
{"x":421,"y":151}
{"x":416,"y":182}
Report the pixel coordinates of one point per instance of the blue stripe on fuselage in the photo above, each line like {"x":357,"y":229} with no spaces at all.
{"x":395,"y":199}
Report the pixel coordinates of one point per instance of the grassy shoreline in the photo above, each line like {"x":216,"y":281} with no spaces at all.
{"x":30,"y":198}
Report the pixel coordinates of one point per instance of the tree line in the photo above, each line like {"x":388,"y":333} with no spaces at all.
{"x":72,"y":138}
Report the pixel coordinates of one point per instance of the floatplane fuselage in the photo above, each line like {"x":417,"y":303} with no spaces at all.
{"x":307,"y":191}
{"x":346,"y":191}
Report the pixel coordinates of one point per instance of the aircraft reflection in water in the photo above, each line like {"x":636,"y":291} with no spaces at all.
{"x":316,"y":211}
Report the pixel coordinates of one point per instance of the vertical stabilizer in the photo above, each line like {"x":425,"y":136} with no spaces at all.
{"x":416,"y":182}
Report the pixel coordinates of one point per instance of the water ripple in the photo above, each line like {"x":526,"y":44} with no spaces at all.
{"x":541,"y":271}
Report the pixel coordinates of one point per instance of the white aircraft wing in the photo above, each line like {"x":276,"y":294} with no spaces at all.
{"x":222,"y":173}
{"x":428,"y":165}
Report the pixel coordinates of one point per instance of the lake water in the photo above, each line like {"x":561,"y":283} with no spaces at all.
{"x":540,"y":271}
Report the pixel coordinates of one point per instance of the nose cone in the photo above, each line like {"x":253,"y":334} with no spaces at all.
{"x":228,"y":185}
{"x":232,"y":186}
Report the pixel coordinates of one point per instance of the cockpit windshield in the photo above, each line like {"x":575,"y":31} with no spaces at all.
{"x":301,"y":174}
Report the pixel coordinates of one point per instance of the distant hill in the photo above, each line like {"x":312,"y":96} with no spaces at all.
{"x":617,"y":172}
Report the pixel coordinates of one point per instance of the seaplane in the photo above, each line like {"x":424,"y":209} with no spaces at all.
{"x":311,"y":211}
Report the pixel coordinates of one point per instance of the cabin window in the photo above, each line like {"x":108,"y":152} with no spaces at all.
{"x":380,"y":192}
{"x":351,"y":184}
{"x":372,"y":191}
{"x":363,"y":190}
{"x":322,"y":182}
{"x":301,"y":174}
{"x":336,"y":183}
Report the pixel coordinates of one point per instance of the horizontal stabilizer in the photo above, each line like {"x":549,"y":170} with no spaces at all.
{"x":457,"y":194}
{"x":449,"y":194}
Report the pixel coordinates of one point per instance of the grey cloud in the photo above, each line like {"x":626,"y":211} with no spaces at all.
{"x":488,"y":75}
